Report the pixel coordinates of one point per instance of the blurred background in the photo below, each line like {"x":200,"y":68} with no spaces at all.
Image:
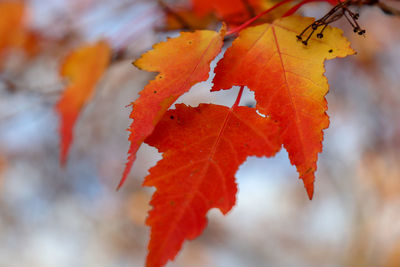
{"x":72,"y":216}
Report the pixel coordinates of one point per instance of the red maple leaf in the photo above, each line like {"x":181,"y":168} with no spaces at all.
{"x":202,"y":149}
{"x":288,"y":82}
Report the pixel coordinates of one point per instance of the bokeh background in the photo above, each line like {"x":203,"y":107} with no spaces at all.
{"x":72,"y":216}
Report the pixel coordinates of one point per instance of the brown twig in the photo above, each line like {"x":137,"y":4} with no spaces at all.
{"x":388,"y":10}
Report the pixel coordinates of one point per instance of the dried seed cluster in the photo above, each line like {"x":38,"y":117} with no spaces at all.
{"x":336,"y":13}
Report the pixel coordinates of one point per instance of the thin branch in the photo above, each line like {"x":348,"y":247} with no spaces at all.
{"x":388,"y":10}
{"x":252,"y":20}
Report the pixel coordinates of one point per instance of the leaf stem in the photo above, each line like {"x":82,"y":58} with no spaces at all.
{"x":239,"y":96}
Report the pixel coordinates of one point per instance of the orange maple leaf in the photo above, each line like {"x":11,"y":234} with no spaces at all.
{"x":11,"y":23}
{"x":202,"y":149}
{"x":13,"y":33}
{"x":181,"y":63}
{"x":83,"y":68}
{"x":288,"y":81}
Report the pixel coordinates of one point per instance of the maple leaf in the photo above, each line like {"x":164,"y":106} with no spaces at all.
{"x":181,"y":62}
{"x":288,"y":81}
{"x":13,"y":31}
{"x":202,"y":149}
{"x":83,"y":68}
{"x":11,"y":25}
{"x":11,"y":22}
